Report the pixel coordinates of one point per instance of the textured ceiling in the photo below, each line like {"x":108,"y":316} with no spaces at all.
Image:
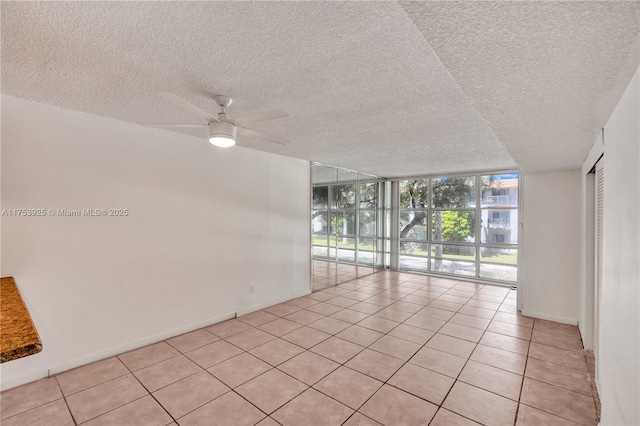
{"x":381,"y":87}
{"x":544,"y":75}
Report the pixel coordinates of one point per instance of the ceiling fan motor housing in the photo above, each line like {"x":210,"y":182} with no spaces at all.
{"x":222,"y":129}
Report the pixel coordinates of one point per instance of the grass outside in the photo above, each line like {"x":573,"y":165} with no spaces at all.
{"x":348,"y":243}
{"x":507,"y":258}
{"x":504,"y":258}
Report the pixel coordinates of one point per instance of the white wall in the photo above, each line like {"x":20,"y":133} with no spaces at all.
{"x":551,"y":208}
{"x":204,"y":225}
{"x":619,"y":363}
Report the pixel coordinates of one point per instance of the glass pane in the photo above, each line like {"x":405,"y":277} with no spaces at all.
{"x":319,"y":221}
{"x":508,"y":256}
{"x":319,"y":239}
{"x":413,"y":224}
{"x":347,"y":242}
{"x":499,"y":272}
{"x":387,"y":220}
{"x":319,"y":251}
{"x":345,"y":222}
{"x":453,"y":225}
{"x":368,"y":224}
{"x":346,"y":255}
{"x":365,"y":257}
{"x":345,"y":273}
{"x":333,"y":225}
{"x":344,"y":196}
{"x":321,"y":283}
{"x":454,"y":192}
{"x":368,"y":195}
{"x":324,"y":268}
{"x":453,"y":267}
{"x":365,"y":270}
{"x":500,"y":190}
{"x":454,"y":252}
{"x":320,"y":197}
{"x":324,"y":174}
{"x":366,"y":244}
{"x":324,"y":273}
{"x":347,"y":176}
{"x":414,"y":194}
{"x":414,"y":248}
{"x":414,"y":263}
{"x":499,"y":226}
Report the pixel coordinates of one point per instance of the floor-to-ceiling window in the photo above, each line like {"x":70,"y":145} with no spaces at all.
{"x":459,"y":225}
{"x":463,"y":225}
{"x":498,"y":257}
{"x":344,"y":224}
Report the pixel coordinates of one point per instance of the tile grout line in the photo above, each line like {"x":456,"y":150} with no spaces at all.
{"x":457,"y":311}
{"x":284,"y":372}
{"x":380,"y":287}
{"x":64,"y":398}
{"x":344,"y":363}
{"x":120,"y":406}
{"x":272,"y":367}
{"x":483,"y":333}
{"x":212,"y":375}
{"x":468,"y":358}
{"x":548,"y":412}
{"x":149,"y":392}
{"x":123,"y":405}
{"x":456,"y":379}
{"x":205,"y":370}
{"x":407,"y":361}
{"x":526,"y":361}
{"x":440,"y":406}
{"x":219,"y":396}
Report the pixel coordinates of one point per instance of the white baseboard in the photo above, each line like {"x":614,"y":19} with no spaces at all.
{"x":548,"y":317}
{"x":27,"y":378}
{"x":129,"y":346}
{"x":275,"y":302}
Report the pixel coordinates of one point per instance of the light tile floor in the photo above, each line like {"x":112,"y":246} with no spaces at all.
{"x":391,"y":348}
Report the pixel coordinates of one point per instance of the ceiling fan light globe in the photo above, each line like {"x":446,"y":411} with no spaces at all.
{"x":222,"y":134}
{"x":222,"y":141}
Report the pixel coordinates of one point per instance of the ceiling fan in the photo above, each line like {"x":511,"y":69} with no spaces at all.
{"x":222,"y":131}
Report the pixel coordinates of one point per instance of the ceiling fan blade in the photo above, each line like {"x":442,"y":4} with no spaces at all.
{"x":171,"y":125}
{"x":243,"y":131}
{"x":259,"y":117}
{"x":187,"y":106}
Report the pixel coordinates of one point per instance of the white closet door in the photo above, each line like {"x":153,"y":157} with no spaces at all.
{"x":599,"y":223}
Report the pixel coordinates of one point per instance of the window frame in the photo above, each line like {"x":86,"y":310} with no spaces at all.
{"x":479,"y":264}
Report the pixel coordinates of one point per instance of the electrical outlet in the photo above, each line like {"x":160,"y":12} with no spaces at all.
{"x":252,"y":289}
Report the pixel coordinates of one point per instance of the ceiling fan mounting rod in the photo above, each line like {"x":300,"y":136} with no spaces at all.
{"x":224,"y":102}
